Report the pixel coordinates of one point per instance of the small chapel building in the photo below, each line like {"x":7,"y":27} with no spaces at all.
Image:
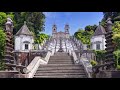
{"x":98,"y":39}
{"x":24,"y":39}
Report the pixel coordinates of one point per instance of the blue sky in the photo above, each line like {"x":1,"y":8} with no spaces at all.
{"x":75,"y":20}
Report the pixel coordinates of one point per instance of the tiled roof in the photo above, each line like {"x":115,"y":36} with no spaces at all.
{"x":24,"y":30}
{"x":100,"y":30}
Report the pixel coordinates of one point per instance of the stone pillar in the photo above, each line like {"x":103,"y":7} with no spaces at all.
{"x":109,"y":58}
{"x":9,"y":55}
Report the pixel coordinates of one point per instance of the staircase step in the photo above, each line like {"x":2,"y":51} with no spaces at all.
{"x":57,"y":58}
{"x":60,"y":63}
{"x":60,"y":71}
{"x":49,"y":74}
{"x":60,"y":60}
{"x":61,"y":56}
{"x":57,"y":62}
{"x":52,"y":69}
{"x":60,"y":68}
{"x":62,"y":76}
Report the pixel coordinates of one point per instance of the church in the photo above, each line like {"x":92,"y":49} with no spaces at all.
{"x":61,"y":34}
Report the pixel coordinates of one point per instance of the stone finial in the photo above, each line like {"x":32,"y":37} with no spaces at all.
{"x":9,"y":24}
{"x":24,"y":22}
{"x":9,"y":21}
{"x":108,"y":21}
{"x":109,"y":25}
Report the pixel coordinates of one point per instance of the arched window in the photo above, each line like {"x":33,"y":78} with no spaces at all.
{"x":98,"y":45}
{"x":26,"y":45}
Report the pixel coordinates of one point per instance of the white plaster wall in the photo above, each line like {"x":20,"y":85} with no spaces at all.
{"x":29,"y":39}
{"x":100,"y":38}
{"x":104,"y":42}
{"x":96,"y":38}
{"x":67,"y":35}
{"x":17,"y":43}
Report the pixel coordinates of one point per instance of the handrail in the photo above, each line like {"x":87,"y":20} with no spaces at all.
{"x":87,"y":68}
{"x":48,"y":56}
{"x":33,"y":66}
{"x":97,"y":68}
{"x":30,"y":66}
{"x":76,"y":61}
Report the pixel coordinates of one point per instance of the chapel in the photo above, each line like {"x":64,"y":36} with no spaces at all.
{"x":24,"y":39}
{"x":98,"y":39}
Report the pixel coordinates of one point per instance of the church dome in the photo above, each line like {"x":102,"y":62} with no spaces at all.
{"x":24,"y":30}
{"x":100,"y":30}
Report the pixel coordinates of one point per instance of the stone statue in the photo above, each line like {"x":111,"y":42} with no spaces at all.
{"x":108,"y":21}
{"x":9,"y":24}
{"x":109,"y":25}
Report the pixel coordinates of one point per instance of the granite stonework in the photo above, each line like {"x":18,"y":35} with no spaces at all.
{"x":108,"y":74}
{"x":21,"y":76}
{"x":8,"y":74}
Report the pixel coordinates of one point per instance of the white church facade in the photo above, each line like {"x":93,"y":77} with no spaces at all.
{"x":24,"y":39}
{"x":61,"y":34}
{"x":98,"y":39}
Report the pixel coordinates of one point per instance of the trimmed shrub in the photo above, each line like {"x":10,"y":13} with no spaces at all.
{"x":93,"y":62}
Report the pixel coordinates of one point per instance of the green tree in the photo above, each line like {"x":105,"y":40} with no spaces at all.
{"x":100,"y":55}
{"x":84,"y":36}
{"x":41,"y":38}
{"x":89,"y":28}
{"x":116,"y":34}
{"x":117,"y":58}
{"x":115,"y":16}
{"x":2,"y":42}
{"x":3,"y":17}
{"x":35,"y":21}
{"x":2,"y":48}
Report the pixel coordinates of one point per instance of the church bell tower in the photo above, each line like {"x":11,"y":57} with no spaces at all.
{"x":67,"y":30}
{"x":54,"y":31}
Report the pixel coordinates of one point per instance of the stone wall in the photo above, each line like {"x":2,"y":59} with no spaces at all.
{"x":7,"y":74}
{"x":108,"y":74}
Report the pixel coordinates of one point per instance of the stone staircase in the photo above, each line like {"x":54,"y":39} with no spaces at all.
{"x":60,"y":65}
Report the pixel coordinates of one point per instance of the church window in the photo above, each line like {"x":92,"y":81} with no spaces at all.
{"x":26,"y":46}
{"x":98,"y":46}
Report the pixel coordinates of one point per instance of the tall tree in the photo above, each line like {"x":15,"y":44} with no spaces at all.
{"x":3,"y":17}
{"x":113,"y":15}
{"x":116,"y":34}
{"x":2,"y":42}
{"x":84,"y":36}
{"x":41,"y":38}
{"x":35,"y":21}
{"x":90,"y":27}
